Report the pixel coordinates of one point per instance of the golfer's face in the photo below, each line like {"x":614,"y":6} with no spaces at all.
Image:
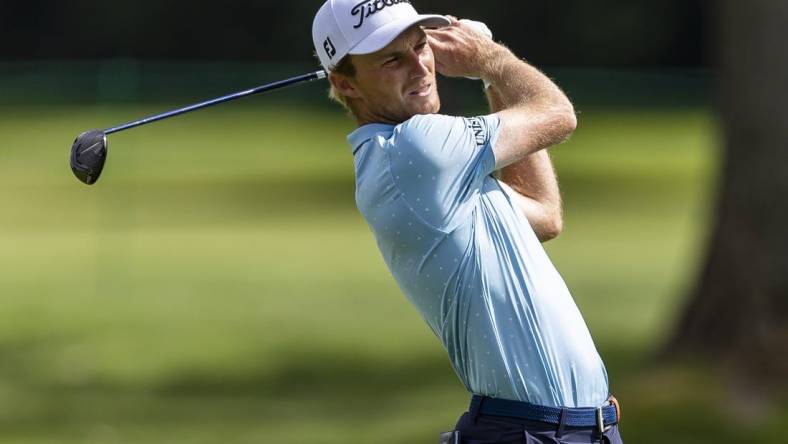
{"x":398,"y":81}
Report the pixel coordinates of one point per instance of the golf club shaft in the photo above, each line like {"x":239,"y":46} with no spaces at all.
{"x":260,"y":89}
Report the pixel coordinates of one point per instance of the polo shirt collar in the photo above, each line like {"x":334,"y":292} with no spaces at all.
{"x":363,"y":133}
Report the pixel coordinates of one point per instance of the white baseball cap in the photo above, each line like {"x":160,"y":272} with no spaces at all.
{"x":343,"y":27}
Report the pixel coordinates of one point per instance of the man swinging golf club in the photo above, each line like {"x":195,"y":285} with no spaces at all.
{"x":459,"y":205}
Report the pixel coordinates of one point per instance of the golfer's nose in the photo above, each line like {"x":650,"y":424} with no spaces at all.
{"x":418,"y":64}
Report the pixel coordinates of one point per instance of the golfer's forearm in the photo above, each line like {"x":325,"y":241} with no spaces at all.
{"x":535,"y":113}
{"x":534,"y":179}
{"x":520,"y":85}
{"x":533,"y":176}
{"x":546,"y":222}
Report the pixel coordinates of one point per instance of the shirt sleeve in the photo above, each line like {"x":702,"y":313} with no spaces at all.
{"x":439,"y":164}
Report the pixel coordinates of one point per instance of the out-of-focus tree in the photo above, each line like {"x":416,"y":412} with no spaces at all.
{"x":613,"y":33}
{"x":739,"y":312}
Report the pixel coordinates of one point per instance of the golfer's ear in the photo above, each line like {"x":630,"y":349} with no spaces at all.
{"x":343,"y":84}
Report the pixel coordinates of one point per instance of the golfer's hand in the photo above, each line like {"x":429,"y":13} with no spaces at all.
{"x":462,"y":51}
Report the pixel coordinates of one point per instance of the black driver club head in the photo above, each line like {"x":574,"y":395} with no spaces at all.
{"x":88,"y":154}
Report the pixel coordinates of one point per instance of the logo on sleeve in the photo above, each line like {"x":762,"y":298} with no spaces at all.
{"x":478,"y":130}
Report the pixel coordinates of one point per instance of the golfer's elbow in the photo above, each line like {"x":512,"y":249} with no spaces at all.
{"x":565,"y":121}
{"x":551,"y":227}
{"x":558,"y":122}
{"x":570,"y":121}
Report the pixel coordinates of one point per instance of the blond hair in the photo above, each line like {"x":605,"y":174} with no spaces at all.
{"x":344,"y":67}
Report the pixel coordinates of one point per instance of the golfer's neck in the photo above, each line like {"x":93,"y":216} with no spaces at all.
{"x":365,"y":116}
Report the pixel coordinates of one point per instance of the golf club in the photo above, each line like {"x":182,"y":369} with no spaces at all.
{"x":89,"y":151}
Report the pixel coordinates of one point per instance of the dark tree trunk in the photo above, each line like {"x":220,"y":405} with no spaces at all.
{"x":739,"y":311}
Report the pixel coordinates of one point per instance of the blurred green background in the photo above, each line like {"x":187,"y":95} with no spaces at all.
{"x":218,"y":284}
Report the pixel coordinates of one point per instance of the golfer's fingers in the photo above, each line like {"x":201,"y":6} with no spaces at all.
{"x":437,"y":31}
{"x":453,"y":32}
{"x":437,"y":44}
{"x":442,"y":35}
{"x":435,"y":39}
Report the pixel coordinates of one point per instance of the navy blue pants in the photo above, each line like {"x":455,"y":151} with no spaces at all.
{"x":487,"y":429}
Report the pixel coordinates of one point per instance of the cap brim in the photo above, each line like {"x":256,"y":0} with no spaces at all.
{"x":381,"y":37}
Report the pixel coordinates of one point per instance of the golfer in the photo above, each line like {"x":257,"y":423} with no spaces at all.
{"x":459,"y":205}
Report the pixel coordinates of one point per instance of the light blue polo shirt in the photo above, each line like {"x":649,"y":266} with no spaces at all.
{"x":470,"y":262}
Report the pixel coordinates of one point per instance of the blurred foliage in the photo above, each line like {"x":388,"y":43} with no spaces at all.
{"x":176,"y":83}
{"x":618,"y":33}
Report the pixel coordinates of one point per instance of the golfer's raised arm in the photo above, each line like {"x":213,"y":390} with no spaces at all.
{"x":536,"y":112}
{"x":532,"y":185}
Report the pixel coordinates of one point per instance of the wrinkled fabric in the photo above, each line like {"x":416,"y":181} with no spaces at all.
{"x":470,"y":262}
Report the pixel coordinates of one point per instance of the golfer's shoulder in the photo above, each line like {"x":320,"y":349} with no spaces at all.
{"x":427,"y":129}
{"x":424,"y":124}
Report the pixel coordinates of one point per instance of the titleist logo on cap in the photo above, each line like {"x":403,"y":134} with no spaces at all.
{"x":370,"y":7}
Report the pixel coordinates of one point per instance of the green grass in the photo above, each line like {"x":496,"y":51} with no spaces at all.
{"x":218,"y":285}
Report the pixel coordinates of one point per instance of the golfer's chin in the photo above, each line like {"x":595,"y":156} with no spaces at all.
{"x":430,"y":104}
